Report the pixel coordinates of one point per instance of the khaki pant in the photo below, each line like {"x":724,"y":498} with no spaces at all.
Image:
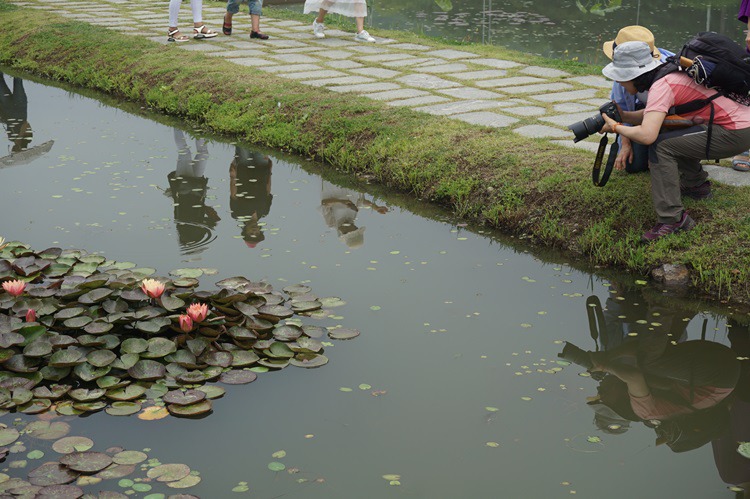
{"x":675,"y":160}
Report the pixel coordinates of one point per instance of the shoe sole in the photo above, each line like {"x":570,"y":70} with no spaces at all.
{"x":689,"y":225}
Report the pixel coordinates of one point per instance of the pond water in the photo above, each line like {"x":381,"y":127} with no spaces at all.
{"x":562,"y":29}
{"x":455,"y":383}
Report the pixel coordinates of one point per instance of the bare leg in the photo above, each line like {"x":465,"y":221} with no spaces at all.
{"x":321,"y":16}
{"x":360,"y":24}
{"x":228,"y":19}
{"x":255,"y":22}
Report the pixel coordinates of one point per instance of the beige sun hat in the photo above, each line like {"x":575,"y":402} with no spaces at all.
{"x":633,"y":33}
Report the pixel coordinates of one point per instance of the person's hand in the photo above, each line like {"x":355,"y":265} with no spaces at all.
{"x":381,"y":209}
{"x":599,"y":361}
{"x":608,"y":122}
{"x":625,"y":155}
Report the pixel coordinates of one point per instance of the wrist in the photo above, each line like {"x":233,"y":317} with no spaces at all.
{"x":615,"y":125}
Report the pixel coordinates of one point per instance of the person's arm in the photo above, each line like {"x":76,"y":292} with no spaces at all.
{"x":645,"y":133}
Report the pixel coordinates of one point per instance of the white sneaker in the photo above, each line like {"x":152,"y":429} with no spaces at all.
{"x":318,"y":29}
{"x":364,"y":36}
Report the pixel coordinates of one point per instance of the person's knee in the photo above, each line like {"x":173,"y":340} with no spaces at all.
{"x":255,"y":7}
{"x":233,"y":6}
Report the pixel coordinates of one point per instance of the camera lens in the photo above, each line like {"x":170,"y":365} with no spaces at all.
{"x":587,"y":127}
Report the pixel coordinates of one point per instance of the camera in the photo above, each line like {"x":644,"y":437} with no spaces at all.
{"x":590,"y":126}
{"x":576,"y":355}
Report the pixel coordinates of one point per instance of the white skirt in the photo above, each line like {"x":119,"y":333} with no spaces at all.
{"x":348,"y":8}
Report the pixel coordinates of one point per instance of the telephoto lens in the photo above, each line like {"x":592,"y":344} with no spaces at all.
{"x":587,"y":127}
{"x":577,"y":356}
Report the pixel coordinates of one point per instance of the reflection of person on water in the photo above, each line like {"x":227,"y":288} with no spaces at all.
{"x":340,"y":207}
{"x":250,"y":192}
{"x":188,"y":186}
{"x":13,"y":114}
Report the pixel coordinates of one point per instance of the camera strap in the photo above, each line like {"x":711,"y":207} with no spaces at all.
{"x":601,"y":182}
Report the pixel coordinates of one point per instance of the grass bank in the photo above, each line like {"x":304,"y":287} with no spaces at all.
{"x":529,"y":187}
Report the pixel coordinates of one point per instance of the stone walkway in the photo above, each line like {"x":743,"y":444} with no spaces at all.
{"x":533,"y":101}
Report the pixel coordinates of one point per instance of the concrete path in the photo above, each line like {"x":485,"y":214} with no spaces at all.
{"x":532,"y":101}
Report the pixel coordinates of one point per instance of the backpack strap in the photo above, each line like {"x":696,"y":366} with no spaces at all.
{"x":696,"y":105}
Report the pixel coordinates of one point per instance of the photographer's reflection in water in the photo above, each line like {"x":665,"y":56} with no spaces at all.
{"x":250,"y":195}
{"x":340,"y":207}
{"x":681,"y":388}
{"x":14,"y":114}
{"x":188,"y":186}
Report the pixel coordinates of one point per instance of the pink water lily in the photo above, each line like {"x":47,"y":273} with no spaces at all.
{"x":198,"y":312}
{"x":186,"y":323}
{"x":31,"y":315}
{"x":152,"y":288}
{"x":14,"y":288}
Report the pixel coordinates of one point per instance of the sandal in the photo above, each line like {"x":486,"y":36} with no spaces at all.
{"x":259,"y":35}
{"x":201,"y":32}
{"x":172,"y":36}
{"x":226,"y":28}
{"x":741,"y":163}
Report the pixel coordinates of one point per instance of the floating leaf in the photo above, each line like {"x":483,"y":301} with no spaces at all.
{"x":279,"y":454}
{"x":50,"y":474}
{"x":343,"y":333}
{"x":238,"y":377}
{"x":276,"y":466}
{"x":122,"y":408}
{"x":153,"y":413}
{"x":69,"y":445}
{"x":147,"y":370}
{"x":129,"y":457}
{"x":47,"y":430}
{"x":168,"y":472}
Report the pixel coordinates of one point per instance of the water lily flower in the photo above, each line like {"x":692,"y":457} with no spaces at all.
{"x":198,"y":312}
{"x":31,"y":315}
{"x":152,"y":287}
{"x":14,"y":288}
{"x":186,"y":323}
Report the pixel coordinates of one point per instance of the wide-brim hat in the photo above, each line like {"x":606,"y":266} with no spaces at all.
{"x":632,"y":34}
{"x":629,"y":61}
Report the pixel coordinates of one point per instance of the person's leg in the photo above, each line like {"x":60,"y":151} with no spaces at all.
{"x":318,"y":26}
{"x":172,"y":31}
{"x":360,"y":24}
{"x":183,"y":168}
{"x":233,"y":7}
{"x":640,"y":159}
{"x":200,"y":30}
{"x":255,"y":7}
{"x":321,"y":16}
{"x":201,"y":156}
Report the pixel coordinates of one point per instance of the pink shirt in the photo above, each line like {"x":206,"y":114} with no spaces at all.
{"x":650,"y":407}
{"x":679,"y":88}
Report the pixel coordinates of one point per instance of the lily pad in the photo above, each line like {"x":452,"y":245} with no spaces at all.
{"x":47,"y":430}
{"x":115,"y":471}
{"x":168,"y":472}
{"x":87,"y":372}
{"x":129,"y":392}
{"x":8,"y":436}
{"x":129,"y":457}
{"x":309,"y":360}
{"x":159,"y":347}
{"x":178,"y":397}
{"x":196,"y":409}
{"x":212,"y":391}
{"x":343,"y":333}
{"x":68,"y":445}
{"x":100,"y":358}
{"x":287,"y":332}
{"x":122,"y":408}
{"x":238,"y":377}
{"x":67,"y":357}
{"x":60,"y":492}
{"x":52,"y":474}
{"x":87,"y":461}
{"x":147,"y":370}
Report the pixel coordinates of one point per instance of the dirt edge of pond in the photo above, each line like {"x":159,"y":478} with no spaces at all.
{"x":531,"y":188}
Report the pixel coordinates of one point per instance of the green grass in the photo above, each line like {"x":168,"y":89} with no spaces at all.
{"x":487,"y":176}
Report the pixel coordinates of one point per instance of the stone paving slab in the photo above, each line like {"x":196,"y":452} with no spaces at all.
{"x":564,"y":120}
{"x":573,"y":107}
{"x":426,"y":81}
{"x":258,"y":63}
{"x":237,"y":53}
{"x":469,"y":93}
{"x":526,"y":111}
{"x":459,"y":107}
{"x":481,"y":75}
{"x":386,"y":74}
{"x":541,"y":87}
{"x":496,"y":63}
{"x":418,"y":101}
{"x":486,"y":118}
{"x":344,"y":64}
{"x":510,"y":81}
{"x":409,"y":46}
{"x":343,"y":80}
{"x":543,"y":72}
{"x":401,"y":93}
{"x":727,"y":175}
{"x":295,"y":58}
{"x":451,"y":54}
{"x":384,"y":57}
{"x":366,"y":88}
{"x":444,"y":68}
{"x":313,"y":75}
{"x":287,"y":68}
{"x":413,"y":61}
{"x":334,"y":54}
{"x":573,"y":96}
{"x":540,"y":131}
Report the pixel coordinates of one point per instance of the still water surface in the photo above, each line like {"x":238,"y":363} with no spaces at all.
{"x":460,"y":329}
{"x":563,"y":29}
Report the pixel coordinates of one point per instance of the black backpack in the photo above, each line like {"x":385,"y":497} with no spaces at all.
{"x":716,"y":62}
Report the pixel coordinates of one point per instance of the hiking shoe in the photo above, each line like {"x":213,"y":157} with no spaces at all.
{"x":364,"y":36}
{"x":318,"y":29}
{"x":699,"y":192}
{"x":661,"y":230}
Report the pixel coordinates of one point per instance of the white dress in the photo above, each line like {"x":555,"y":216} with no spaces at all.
{"x":348,"y":8}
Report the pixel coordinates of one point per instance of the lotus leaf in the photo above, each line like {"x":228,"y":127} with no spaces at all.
{"x":314,"y":331}
{"x":191,"y":273}
{"x":191,"y":377}
{"x":242,"y":358}
{"x":52,"y":392}
{"x":178,"y":397}
{"x":97,"y":259}
{"x":100,"y":358}
{"x":310,"y":344}
{"x":133,"y":295}
{"x":129,"y":457}
{"x":111,"y":341}
{"x":279,"y":350}
{"x":196,"y":409}
{"x":171,"y":303}
{"x":276,"y":466}
{"x":212,"y":391}
{"x":242,"y":334}
{"x":20,"y":396}
{"x":6,"y":354}
{"x":153,"y":413}
{"x":50,"y":253}
{"x":68,"y":357}
{"x":68,"y":445}
{"x":130,"y":392}
{"x":115,"y":306}
{"x":343,"y":333}
{"x":123,"y":408}
{"x":263,"y":344}
{"x":19,"y":381}
{"x":297,"y":289}
{"x":168,"y":472}
{"x":98,"y":326}
{"x":115,"y":471}
{"x":216,"y":358}
{"x":274,"y":363}
{"x":90,"y":406}
{"x":212,"y":372}
{"x":134,"y":345}
{"x":147,"y":370}
{"x":95,"y":296}
{"x":35,"y":406}
{"x":174,"y":369}
{"x":89,"y":340}
{"x":309,"y":360}
{"x":86,"y":461}
{"x":38,"y":348}
{"x":156,"y":391}
{"x":47,"y":430}
{"x":238,"y":377}
{"x":258,"y":324}
{"x":332,"y":302}
{"x":287,"y":332}
{"x":86,"y":372}
{"x":184,"y":358}
{"x":52,"y":474}
{"x":187,"y":482}
{"x":62,"y":341}
{"x":159,"y":347}
{"x":8,"y":339}
{"x":31,"y":332}
{"x":306,"y":306}
{"x":85,"y":394}
{"x":197,"y":345}
{"x":8,"y":436}
{"x":246,"y":309}
{"x":65,"y":408}
{"x":125,"y":361}
{"x":153,"y":326}
{"x":77,"y":322}
{"x":69,"y":313}
{"x":111,"y":382}
{"x":185,"y":282}
{"x":234,"y":283}
{"x":21,"y":364}
{"x":275,"y":312}
{"x":54,"y":373}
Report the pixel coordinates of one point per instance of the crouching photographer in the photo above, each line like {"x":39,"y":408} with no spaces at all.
{"x":674,"y":156}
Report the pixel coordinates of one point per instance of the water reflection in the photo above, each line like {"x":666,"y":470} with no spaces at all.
{"x":14,"y":117}
{"x":691,"y":392}
{"x":250,"y":195}
{"x":340,"y":206}
{"x":194,"y":219}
